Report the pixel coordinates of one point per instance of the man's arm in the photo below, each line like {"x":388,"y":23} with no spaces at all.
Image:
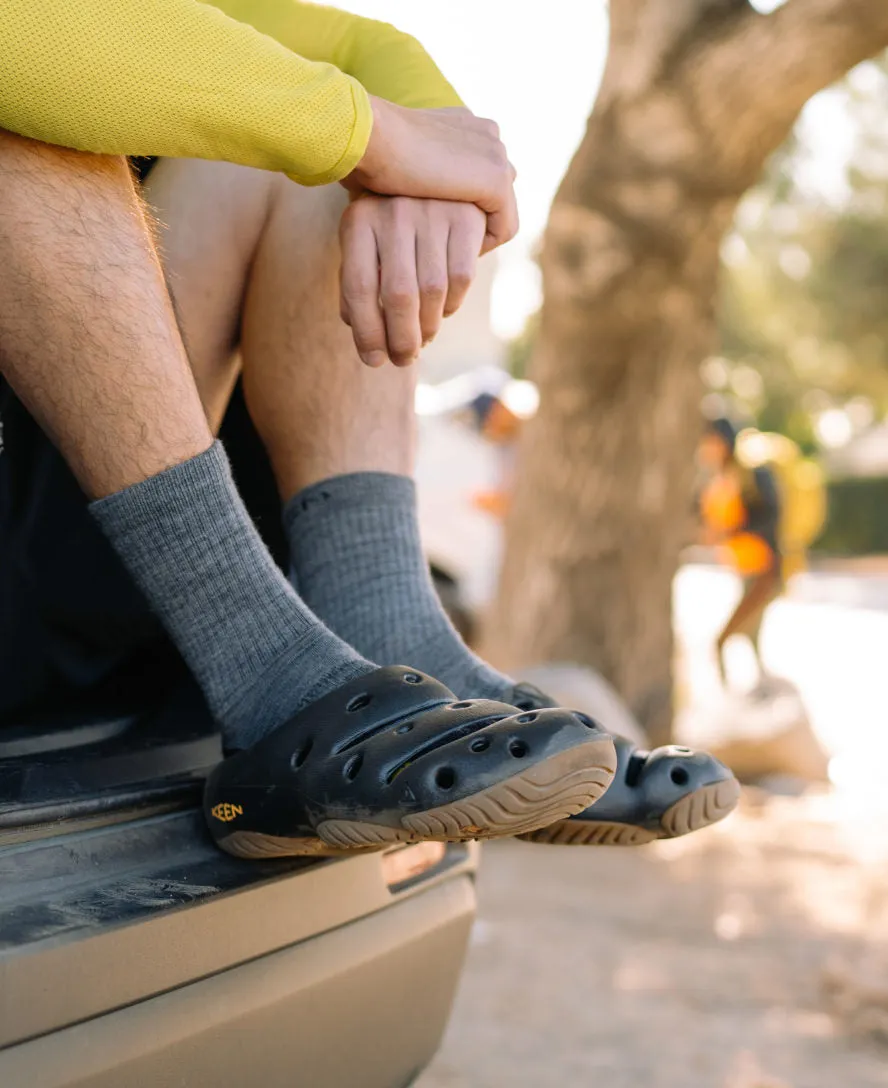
{"x":181,"y":79}
{"x":176,"y":78}
{"x":387,"y":62}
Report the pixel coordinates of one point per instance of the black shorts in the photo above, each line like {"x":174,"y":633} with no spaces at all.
{"x":75,"y":631}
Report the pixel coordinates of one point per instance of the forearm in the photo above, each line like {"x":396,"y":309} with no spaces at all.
{"x":388,"y":63}
{"x":176,"y":78}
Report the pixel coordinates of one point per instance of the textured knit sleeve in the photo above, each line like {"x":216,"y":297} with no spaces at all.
{"x":177,"y":78}
{"x":387,"y":62}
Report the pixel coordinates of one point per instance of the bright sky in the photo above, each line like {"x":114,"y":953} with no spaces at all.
{"x":536,"y":73}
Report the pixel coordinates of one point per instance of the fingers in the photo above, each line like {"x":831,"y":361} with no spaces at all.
{"x":432,"y":269}
{"x":406,"y":265}
{"x":502,"y":224}
{"x":467,"y":232}
{"x":399,"y":286}
{"x":359,"y":287}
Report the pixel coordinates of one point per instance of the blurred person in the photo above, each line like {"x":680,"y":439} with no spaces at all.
{"x":492,"y":418}
{"x":262,"y":306}
{"x":740,"y":512}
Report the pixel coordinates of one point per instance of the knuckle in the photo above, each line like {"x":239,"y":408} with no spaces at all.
{"x":459,"y":286}
{"x":403,"y":336}
{"x":357,"y":212}
{"x":435,"y":216}
{"x":460,"y":280}
{"x":404,"y":343}
{"x":367,"y":339}
{"x":400,"y":209}
{"x":434,"y":288}
{"x":468,"y":217}
{"x":399,"y":297}
{"x":404,"y":354}
{"x":358,"y":288}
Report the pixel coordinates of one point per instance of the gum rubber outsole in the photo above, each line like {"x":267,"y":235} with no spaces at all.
{"x":546,"y":793}
{"x":697,"y":810}
{"x":701,"y":808}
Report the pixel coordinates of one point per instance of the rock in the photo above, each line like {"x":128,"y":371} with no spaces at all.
{"x":582,"y":688}
{"x":762,"y":734}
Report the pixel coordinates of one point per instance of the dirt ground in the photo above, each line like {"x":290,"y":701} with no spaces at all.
{"x":751,"y":955}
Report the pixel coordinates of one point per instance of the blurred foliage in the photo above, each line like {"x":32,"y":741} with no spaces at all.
{"x":802,"y":308}
{"x":519,"y":349}
{"x":858,"y":518}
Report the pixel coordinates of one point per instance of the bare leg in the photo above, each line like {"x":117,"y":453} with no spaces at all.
{"x":89,"y":341}
{"x":747,"y":616}
{"x":300,"y":363}
{"x":322,"y":414}
{"x":325,"y":419}
{"x":238,"y":241}
{"x":753,"y":633}
{"x":91,"y":345}
{"x":210,"y":217}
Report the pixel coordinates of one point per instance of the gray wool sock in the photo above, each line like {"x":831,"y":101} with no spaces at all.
{"x":256,"y":649}
{"x":358,"y":562}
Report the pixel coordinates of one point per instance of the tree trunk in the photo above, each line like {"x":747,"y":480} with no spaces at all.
{"x":696,"y":95}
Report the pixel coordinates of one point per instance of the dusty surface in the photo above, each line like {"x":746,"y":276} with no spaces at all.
{"x":752,"y":955}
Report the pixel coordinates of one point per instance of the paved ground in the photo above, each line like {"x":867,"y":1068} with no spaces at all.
{"x":709,"y":962}
{"x":828,"y":637}
{"x":752,"y":955}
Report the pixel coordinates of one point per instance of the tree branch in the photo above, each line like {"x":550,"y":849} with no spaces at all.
{"x":825,"y":38}
{"x":698,"y":93}
{"x":645,"y":34}
{"x":757,"y":76}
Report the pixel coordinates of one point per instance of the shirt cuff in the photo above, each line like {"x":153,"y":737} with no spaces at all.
{"x":362,"y":126}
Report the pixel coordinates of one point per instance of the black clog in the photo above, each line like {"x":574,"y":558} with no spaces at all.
{"x":394,"y":757}
{"x":662,"y":794}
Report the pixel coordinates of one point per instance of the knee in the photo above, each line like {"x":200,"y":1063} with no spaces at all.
{"x":309,"y":215}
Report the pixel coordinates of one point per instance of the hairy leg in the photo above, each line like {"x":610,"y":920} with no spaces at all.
{"x":340,"y":436}
{"x":91,"y":346}
{"x":327,"y":421}
{"x":87,"y":335}
{"x":210,"y":217}
{"x":252,"y":262}
{"x":320,"y":411}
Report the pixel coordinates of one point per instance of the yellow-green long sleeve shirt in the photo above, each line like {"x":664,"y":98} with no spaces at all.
{"x":275,"y":84}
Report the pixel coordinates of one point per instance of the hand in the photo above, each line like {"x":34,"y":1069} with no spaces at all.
{"x":406,"y":265}
{"x":448,"y":154}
